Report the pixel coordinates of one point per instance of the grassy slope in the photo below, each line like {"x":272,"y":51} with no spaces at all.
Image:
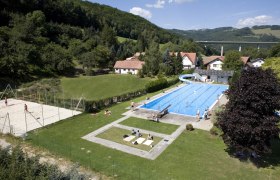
{"x":122,"y":39}
{"x":267,"y":31}
{"x":194,"y":155}
{"x":98,"y":87}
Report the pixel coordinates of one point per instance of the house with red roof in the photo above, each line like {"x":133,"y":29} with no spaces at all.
{"x":129,"y":66}
{"x":216,"y":62}
{"x":189,"y":59}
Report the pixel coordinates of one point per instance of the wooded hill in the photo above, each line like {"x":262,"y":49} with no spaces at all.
{"x":256,"y":33}
{"x":40,"y":38}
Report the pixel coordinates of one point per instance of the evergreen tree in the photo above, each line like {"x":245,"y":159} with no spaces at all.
{"x":177,"y":63}
{"x":152,"y":60}
{"x":166,"y":57}
{"x":249,"y":121}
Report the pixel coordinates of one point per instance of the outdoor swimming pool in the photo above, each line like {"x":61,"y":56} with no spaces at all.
{"x":188,"y":99}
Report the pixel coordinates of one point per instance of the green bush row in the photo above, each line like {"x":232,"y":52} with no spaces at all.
{"x":97,"y":105}
{"x":156,"y":85}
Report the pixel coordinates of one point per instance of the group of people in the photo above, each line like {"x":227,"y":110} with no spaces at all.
{"x":136,"y":133}
{"x":25,"y":105}
{"x":206,"y":114}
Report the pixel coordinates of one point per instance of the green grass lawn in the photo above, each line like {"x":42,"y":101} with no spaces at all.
{"x":116,"y":134}
{"x":122,"y":39}
{"x":103,"y":86}
{"x":150,"y":125}
{"x":193,"y":155}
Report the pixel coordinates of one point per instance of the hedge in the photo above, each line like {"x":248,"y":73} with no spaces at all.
{"x":156,"y":85}
{"x":97,"y":105}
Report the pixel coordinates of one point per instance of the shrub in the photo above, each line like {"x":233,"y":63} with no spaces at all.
{"x":189,"y":127}
{"x":215,"y":131}
{"x":173,"y":81}
{"x":156,"y":85}
{"x":188,"y":71}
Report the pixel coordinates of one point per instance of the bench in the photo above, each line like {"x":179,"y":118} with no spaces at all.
{"x":163,"y":112}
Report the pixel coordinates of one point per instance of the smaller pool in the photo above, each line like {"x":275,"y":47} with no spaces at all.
{"x":188,"y":99}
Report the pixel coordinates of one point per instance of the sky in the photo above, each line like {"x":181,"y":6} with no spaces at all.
{"x":201,"y":14}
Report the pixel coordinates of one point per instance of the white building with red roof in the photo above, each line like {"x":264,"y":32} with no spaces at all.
{"x":216,"y":62}
{"x":129,"y":66}
{"x":189,"y":59}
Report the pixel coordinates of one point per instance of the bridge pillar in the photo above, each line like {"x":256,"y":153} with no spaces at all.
{"x":222,"y":50}
{"x":239,"y":49}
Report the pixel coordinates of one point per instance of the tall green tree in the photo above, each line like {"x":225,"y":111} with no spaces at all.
{"x":56,"y":59}
{"x":249,"y":122}
{"x":152,"y":59}
{"x":178,"y":63}
{"x":232,"y":61}
{"x":108,"y":36}
{"x":275,"y":51}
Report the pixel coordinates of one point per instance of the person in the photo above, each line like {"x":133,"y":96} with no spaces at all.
{"x":107,"y":112}
{"x":150,"y":137}
{"x":154,"y":116}
{"x":198,"y":114}
{"x":157,"y":119}
{"x":138,"y":134}
{"x":132,"y":106}
{"x":6,"y":101}
{"x":133,"y":132}
{"x":25,"y":108}
{"x":205,"y":114}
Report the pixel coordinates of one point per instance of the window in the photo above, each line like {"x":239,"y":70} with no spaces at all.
{"x":214,"y":65}
{"x":124,"y":69}
{"x":128,"y":69}
{"x":117,"y":69}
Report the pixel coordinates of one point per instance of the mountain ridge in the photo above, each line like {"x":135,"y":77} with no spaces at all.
{"x":262,"y":33}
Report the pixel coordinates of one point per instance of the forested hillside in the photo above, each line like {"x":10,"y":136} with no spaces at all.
{"x":256,"y":33}
{"x":40,"y":38}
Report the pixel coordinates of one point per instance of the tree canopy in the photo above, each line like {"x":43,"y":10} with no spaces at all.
{"x":274,"y":64}
{"x":249,"y":121}
{"x":232,"y":61}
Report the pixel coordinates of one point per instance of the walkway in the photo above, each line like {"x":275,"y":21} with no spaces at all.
{"x":152,"y":154}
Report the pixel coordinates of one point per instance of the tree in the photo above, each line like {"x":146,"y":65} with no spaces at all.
{"x":56,"y":59}
{"x":152,"y":60}
{"x":178,"y":63}
{"x":249,"y":121}
{"x":166,"y":57}
{"x":274,"y":64}
{"x":275,"y":51}
{"x":232,"y":61}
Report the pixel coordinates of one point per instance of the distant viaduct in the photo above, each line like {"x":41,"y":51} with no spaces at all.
{"x":236,"y":42}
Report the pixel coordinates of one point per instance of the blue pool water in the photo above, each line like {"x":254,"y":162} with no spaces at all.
{"x":188,"y":99}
